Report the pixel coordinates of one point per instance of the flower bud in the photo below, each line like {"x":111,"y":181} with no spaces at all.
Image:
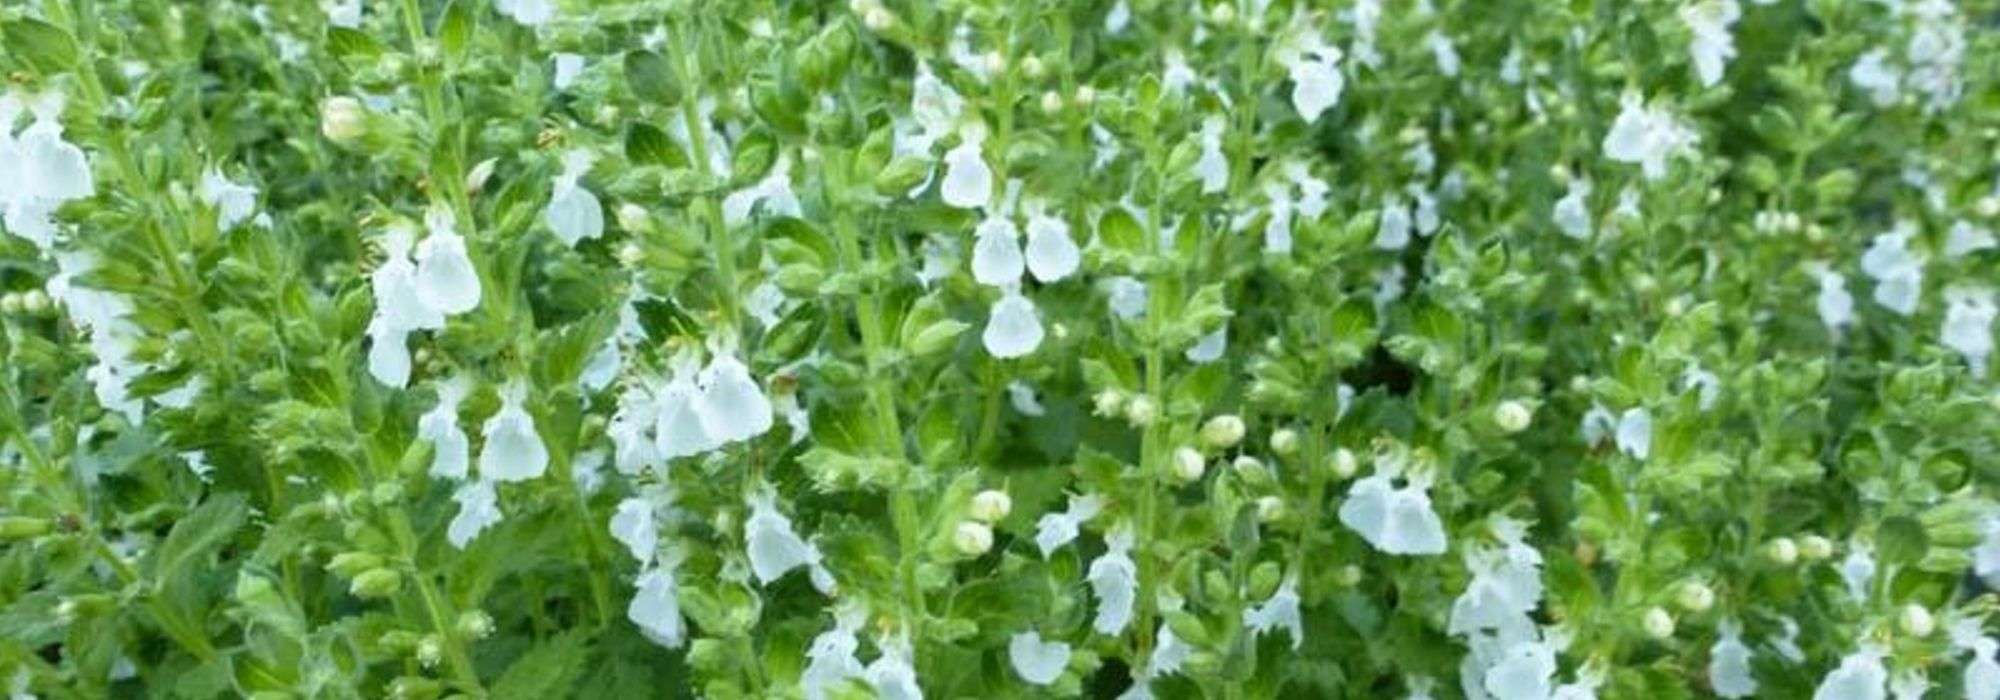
{"x":1815,"y":548}
{"x":1694,"y":597}
{"x":1916,"y":620}
{"x":1659,"y":623}
{"x":1781,"y":551}
{"x":633,"y":217}
{"x":1141,"y":410}
{"x":1086,"y":96}
{"x":480,"y":173}
{"x":1251,"y":470}
{"x":376,"y":583}
{"x":1270,"y":508}
{"x":343,"y":119}
{"x":1222,"y":432}
{"x":21,"y":527}
{"x":1345,"y":464}
{"x":630,"y":254}
{"x":1988,"y":206}
{"x":10,"y":303}
{"x":1052,"y":103}
{"x":475,"y":624}
{"x":1285,"y":442}
{"x":35,"y":302}
{"x":1513,"y":416}
{"x":1347,"y":576}
{"x":1223,"y":14}
{"x":972,"y":539}
{"x":1188,"y":465}
{"x":878,"y":19}
{"x":1108,"y":403}
{"x":1032,"y":67}
{"x":430,"y":651}
{"x":991,"y":505}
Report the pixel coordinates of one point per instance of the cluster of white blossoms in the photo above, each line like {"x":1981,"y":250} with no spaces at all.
{"x":1396,"y":518}
{"x":417,"y":292}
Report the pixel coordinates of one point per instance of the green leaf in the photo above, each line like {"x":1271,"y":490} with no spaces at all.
{"x":651,"y":78}
{"x":546,"y":671}
{"x":1901,"y":540}
{"x":1117,"y":230}
{"x":45,"y":46}
{"x":647,"y":145}
{"x":351,"y":46}
{"x":199,"y":534}
{"x":455,"y":29}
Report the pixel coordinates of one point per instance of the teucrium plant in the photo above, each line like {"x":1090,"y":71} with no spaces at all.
{"x":999,"y":348}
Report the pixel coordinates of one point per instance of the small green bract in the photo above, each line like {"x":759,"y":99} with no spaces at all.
{"x":900,"y":349}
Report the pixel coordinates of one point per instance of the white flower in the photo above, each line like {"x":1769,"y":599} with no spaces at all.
{"x":1986,"y":557}
{"x":1057,"y":529}
{"x":1572,"y":212}
{"x":1964,"y":239}
{"x":1968,"y":325}
{"x":388,"y":353}
{"x":1443,"y":52}
{"x":1860,"y":676}
{"x":478,"y":509}
{"x":1052,"y":254}
{"x":1729,"y":664}
{"x":1647,"y":136}
{"x":1280,"y":610}
{"x":1036,"y":661}
{"x":968,"y":181}
{"x":1858,"y":570}
{"x":513,"y":450}
{"x":573,"y":212}
{"x":450,"y":448}
{"x":1836,"y":306}
{"x":234,"y":203}
{"x":679,"y":428}
{"x":1982,"y":673}
{"x":1213,"y":167}
{"x":773,"y":547}
{"x":632,"y":525}
{"x":774,"y":192}
{"x":996,"y":252}
{"x":1316,"y":79}
{"x":1392,"y":229}
{"x":399,"y":302}
{"x":1393,"y":520}
{"x":1873,"y":73}
{"x":1711,"y":46}
{"x":1210,"y":347}
{"x":1126,"y":296}
{"x":1635,"y":433}
{"x":1013,"y":328}
{"x":892,"y":674}
{"x":656,"y":607}
{"x":731,"y":406}
{"x":831,"y":658}
{"x":568,"y":67}
{"x":1898,"y":273}
{"x":1114,"y":580}
{"x":1022,"y":398}
{"x":530,"y":13}
{"x":1525,"y":670}
{"x":342,"y":13}
{"x":445,"y":279}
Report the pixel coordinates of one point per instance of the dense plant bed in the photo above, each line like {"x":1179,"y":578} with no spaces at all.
{"x":1510,"y":349}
